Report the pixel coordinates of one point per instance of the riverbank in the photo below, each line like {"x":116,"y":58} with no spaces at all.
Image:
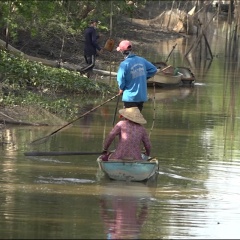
{"x":136,"y":30}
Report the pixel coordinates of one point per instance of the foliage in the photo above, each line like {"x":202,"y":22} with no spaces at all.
{"x":21,"y":73}
{"x":62,"y":17}
{"x":25,"y":82}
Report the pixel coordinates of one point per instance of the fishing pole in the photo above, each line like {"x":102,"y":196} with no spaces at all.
{"x":40,"y":140}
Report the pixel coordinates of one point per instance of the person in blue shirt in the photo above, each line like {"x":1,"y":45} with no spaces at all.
{"x":132,"y":76}
{"x":91,"y":47}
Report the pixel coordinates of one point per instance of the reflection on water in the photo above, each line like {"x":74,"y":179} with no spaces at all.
{"x":124,"y":209}
{"x":170,"y":94}
{"x":86,"y":121}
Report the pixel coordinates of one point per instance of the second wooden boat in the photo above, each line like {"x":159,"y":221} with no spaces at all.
{"x":187,"y":75}
{"x":165,"y":79}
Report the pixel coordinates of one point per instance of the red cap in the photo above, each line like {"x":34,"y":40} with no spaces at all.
{"x":124,"y":46}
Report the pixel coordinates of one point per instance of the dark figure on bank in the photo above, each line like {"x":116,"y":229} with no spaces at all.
{"x":91,"y":47}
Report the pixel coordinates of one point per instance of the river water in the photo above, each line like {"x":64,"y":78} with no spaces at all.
{"x":194,"y":134}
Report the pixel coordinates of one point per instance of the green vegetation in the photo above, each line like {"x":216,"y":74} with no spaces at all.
{"x":30,"y":83}
{"x":47,"y":18}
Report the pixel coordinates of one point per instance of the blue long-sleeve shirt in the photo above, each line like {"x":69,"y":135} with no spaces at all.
{"x":132,"y":78}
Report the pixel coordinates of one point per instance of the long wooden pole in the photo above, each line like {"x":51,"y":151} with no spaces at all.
{"x":111,"y":14}
{"x":60,"y":153}
{"x":54,"y":132}
{"x":195,"y":44}
{"x":170,"y":53}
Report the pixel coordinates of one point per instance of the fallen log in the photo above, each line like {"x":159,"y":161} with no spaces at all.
{"x":9,"y":120}
{"x":103,"y":72}
{"x":15,"y":51}
{"x":51,"y":63}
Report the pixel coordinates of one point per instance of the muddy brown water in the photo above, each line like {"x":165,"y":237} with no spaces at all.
{"x":195,"y":136}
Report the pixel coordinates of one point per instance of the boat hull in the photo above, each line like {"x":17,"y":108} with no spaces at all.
{"x":129,"y":170}
{"x":162,"y":79}
{"x":187,"y":75}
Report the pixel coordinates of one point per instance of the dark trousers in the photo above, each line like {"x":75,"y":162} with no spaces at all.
{"x":134,"y":104}
{"x":90,"y":60}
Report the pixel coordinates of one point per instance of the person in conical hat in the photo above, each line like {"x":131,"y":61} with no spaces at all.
{"x":132,"y":136}
{"x":132,"y":76}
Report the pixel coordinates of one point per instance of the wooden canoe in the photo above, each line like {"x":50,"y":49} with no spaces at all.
{"x":165,"y":79}
{"x":187,"y":75}
{"x":129,"y":170}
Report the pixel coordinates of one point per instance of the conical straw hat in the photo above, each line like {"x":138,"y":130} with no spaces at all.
{"x":133,"y":114}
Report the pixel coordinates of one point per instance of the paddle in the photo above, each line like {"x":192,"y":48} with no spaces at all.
{"x":40,"y":140}
{"x":170,"y":52}
{"x":167,"y":59}
{"x":114,"y":118}
{"x":115,"y":112}
{"x":60,"y":153}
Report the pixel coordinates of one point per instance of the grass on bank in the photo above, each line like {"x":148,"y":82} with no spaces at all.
{"x":57,"y":90}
